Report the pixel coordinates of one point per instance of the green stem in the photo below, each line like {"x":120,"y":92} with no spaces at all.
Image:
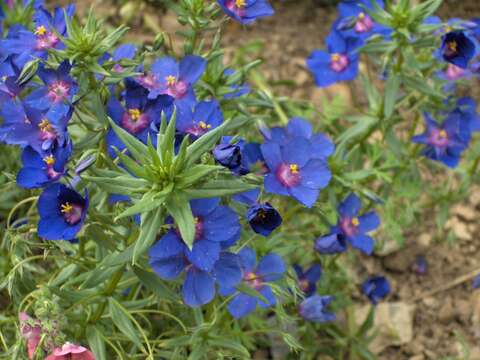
{"x":109,"y":290}
{"x":257,"y":79}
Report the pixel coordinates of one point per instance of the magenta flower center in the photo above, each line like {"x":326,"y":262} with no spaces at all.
{"x":364,"y":23}
{"x":72,"y":213}
{"x":135,"y":121}
{"x":439,"y":138}
{"x":454,"y":72}
{"x":303,"y":285}
{"x":50,"y":162}
{"x":237,"y":7}
{"x":339,"y":62}
{"x":58,"y":91}
{"x":47,"y":132}
{"x":199,"y":128}
{"x":148,"y":81}
{"x":45,"y":38}
{"x":198,"y":228}
{"x":253,"y":280}
{"x":175,"y":87}
{"x":288,"y":175}
{"x":451,"y":48}
{"x":349,"y":226}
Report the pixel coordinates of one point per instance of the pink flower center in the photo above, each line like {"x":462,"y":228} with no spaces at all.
{"x":199,"y":129}
{"x":47,"y":132}
{"x":454,"y":72}
{"x":135,"y":121}
{"x":303,"y":285}
{"x":198,"y":228}
{"x":339,"y":62}
{"x":253,"y":280}
{"x":51,"y":173}
{"x":118,"y":68}
{"x":148,"y":81}
{"x":45,"y":38}
{"x":439,"y":138}
{"x":364,"y":23}
{"x":72,"y":213}
{"x":175,"y":87}
{"x":237,"y":7}
{"x":349,"y":226}
{"x":288,"y":175}
{"x":58,"y":91}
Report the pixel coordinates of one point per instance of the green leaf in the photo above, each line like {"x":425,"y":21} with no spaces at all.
{"x":391,"y":89}
{"x":121,"y":319}
{"x":216,"y":188}
{"x":229,"y":344}
{"x":421,"y":84}
{"x":167,"y":142}
{"x":155,"y":284}
{"x":179,"y":207}
{"x":131,"y":165}
{"x":125,"y":185}
{"x":151,"y":223}
{"x":96,"y":342}
{"x":136,"y":147}
{"x":150,"y":201}
{"x":194,"y":174}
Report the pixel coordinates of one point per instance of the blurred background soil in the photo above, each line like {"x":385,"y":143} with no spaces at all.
{"x":432,"y":316}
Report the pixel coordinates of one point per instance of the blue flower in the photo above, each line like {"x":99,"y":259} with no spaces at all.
{"x":331,"y":244}
{"x":339,"y":63}
{"x":26,"y":126}
{"x":246,"y":11}
{"x":354,"y":21}
{"x":263,"y":218}
{"x":314,"y":308}
{"x":476,"y":282}
{"x":62,"y":212}
{"x":307,"y":281}
{"x":294,"y":171}
{"x":229,"y":155}
{"x":139,"y":116}
{"x":123,"y":52}
{"x":420,"y":265}
{"x":168,"y":77}
{"x":57,"y":94}
{"x":466,"y":109}
{"x":458,"y":48}
{"x":453,"y":73}
{"x":215,"y":225}
{"x":376,"y":288}
{"x":270,"y":268}
{"x":444,"y":142}
{"x":351,"y":228}
{"x":41,"y":169}
{"x":197,"y":121}
{"x":322,"y":146}
{"x":237,"y":90}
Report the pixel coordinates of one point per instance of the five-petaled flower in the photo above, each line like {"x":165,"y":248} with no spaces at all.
{"x":458,"y":48}
{"x":246,"y":11}
{"x":307,"y":280}
{"x":197,"y":121}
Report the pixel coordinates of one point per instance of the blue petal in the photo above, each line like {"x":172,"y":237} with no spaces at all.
{"x":368,"y":222}
{"x":221,"y":225}
{"x":273,"y":186}
{"x":299,"y":127}
{"x":198,"y":288}
{"x":204,"y":254}
{"x":168,"y":268}
{"x":267,"y":292}
{"x":248,"y":259}
{"x":271,"y":267}
{"x":315,"y":174}
{"x":227,"y":271}
{"x":305,"y":195}
{"x":272,"y":155}
{"x":350,"y":206}
{"x":168,"y":246}
{"x":192,"y":68}
{"x":363,"y":243}
{"x":297,"y":151}
{"x":242,"y":305}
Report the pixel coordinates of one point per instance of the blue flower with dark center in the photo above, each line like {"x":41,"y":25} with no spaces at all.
{"x":314,"y":308}
{"x":62,"y":212}
{"x":338,"y":63}
{"x":270,"y":268}
{"x":57,"y":94}
{"x":307,"y":281}
{"x":294,"y":171}
{"x":139,"y":116}
{"x":246,"y":11}
{"x":27,"y":45}
{"x":354,"y":21}
{"x":444,"y":142}
{"x":215,"y":225}
{"x":458,"y":48}
{"x":176,"y":79}
{"x":322,"y":146}
{"x":169,"y":261}
{"x":376,"y":288}
{"x":25,"y":126}
{"x":197,"y":121}
{"x":41,"y":169}
{"x":263,"y":218}
{"x":331,"y":244}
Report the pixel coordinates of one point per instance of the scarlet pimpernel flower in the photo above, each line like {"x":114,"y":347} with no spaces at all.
{"x":246,"y":11}
{"x":263,"y":218}
{"x":314,"y":308}
{"x":307,"y":280}
{"x":458,"y":48}
{"x":376,"y":288}
{"x":198,"y":120}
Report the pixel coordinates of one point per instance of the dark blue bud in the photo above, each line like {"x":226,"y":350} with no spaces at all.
{"x":263,"y":218}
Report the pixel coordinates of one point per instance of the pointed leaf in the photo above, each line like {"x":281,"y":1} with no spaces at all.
{"x":179,"y":207}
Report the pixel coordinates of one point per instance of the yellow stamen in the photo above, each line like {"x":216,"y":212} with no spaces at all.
{"x":355,"y":221}
{"x":452,"y":45}
{"x":45,"y":125}
{"x":442,"y":134}
{"x":204,"y":125}
{"x":134,"y":114}
{"x":196,"y":220}
{"x":250,"y":276}
{"x":448,"y":29}
{"x":49,"y":160}
{"x":41,"y":30}
{"x":294,"y":168}
{"x":361,"y":16}
{"x":171,"y":80}
{"x":335,"y":57}
{"x":66,"y":208}
{"x":240,"y":3}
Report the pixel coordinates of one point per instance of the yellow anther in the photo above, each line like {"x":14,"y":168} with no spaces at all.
{"x":335,"y":57}
{"x":45,"y":125}
{"x":361,"y":16}
{"x":196,"y":220}
{"x":171,"y":80}
{"x":240,"y":3}
{"x":452,"y":45}
{"x":448,"y":29}
{"x":442,"y":134}
{"x":204,"y":125}
{"x":49,"y":160}
{"x":294,"y":168}
{"x":134,"y":114}
{"x":250,"y":276}
{"x":66,"y":208}
{"x":355,"y":221}
{"x":41,"y":30}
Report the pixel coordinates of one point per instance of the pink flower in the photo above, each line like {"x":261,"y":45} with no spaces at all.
{"x":70,"y":351}
{"x":31,"y":331}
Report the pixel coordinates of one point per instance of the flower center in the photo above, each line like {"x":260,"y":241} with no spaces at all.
{"x":439,"y":138}
{"x":288,"y":175}
{"x":349,"y":225}
{"x":454,"y":72}
{"x":135,"y":121}
{"x":134,"y":114}
{"x":338,"y":62}
{"x":58,"y":91}
{"x":72,"y":213}
{"x":204,"y":125}
{"x":49,"y":160}
{"x":364,"y":23}
{"x":198,"y":228}
{"x":240,"y":3}
{"x":252,"y":280}
{"x":452,"y":46}
{"x":47,"y":132}
{"x":40,"y":30}
{"x":171,"y":80}
{"x":303,"y":285}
